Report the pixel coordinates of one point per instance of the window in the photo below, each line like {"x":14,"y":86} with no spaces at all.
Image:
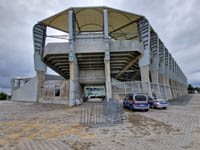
{"x":130,"y":97}
{"x":57,"y":91}
{"x":140,"y":98}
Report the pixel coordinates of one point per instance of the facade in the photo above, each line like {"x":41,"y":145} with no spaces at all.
{"x":105,"y":47}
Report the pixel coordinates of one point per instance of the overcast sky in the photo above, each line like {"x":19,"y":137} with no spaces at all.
{"x":177,"y":23}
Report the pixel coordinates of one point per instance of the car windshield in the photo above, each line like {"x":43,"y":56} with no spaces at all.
{"x":140,"y":98}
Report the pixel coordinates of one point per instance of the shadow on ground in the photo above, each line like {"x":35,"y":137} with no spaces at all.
{"x":181,"y":101}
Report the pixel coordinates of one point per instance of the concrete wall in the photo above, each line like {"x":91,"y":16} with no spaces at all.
{"x":89,"y":45}
{"x":92,"y":76}
{"x":27,"y":92}
{"x":56,"y":48}
{"x":49,"y":92}
{"x":93,"y":46}
{"x":126,"y":46}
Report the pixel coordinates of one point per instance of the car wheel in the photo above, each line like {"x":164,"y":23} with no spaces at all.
{"x":132,"y":108}
{"x":146,"y":110}
{"x":164,"y":107}
{"x":124,"y":105}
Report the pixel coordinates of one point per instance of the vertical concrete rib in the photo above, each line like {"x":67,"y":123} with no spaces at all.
{"x":39,"y":37}
{"x":154,"y":67}
{"x":167,"y":74}
{"x":40,"y":76}
{"x":143,"y":28}
{"x":107,"y":56}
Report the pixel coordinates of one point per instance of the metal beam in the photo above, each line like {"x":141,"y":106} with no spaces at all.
{"x":134,"y":60}
{"x":124,"y":26}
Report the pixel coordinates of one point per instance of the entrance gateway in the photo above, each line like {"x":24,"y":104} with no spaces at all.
{"x":95,"y":92}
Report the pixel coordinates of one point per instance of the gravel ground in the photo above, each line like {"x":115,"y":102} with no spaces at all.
{"x":29,"y":126}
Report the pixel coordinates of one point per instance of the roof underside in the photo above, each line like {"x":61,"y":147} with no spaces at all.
{"x":121,"y":25}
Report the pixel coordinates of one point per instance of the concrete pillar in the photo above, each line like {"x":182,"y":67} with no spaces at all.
{"x":178,"y":87}
{"x":74,"y":83}
{"x":174,"y":88}
{"x":144,"y":70}
{"x":107,"y":57}
{"x":73,"y":65}
{"x":162,"y":82}
{"x":40,"y":76}
{"x":169,"y":92}
{"x":171,"y":88}
{"x":182,"y":90}
{"x":154,"y":78}
{"x":108,"y":80}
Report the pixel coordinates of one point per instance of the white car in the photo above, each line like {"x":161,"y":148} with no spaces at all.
{"x":160,"y":103}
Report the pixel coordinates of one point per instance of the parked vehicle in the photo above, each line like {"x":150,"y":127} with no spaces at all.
{"x":136,"y":101}
{"x":158,"y":103}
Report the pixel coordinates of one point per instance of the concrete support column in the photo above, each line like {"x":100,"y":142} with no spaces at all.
{"x":178,"y":87}
{"x":169,"y":92}
{"x":162,"y":82}
{"x":174,"y":88}
{"x":40,"y":76}
{"x":182,"y":89}
{"x":145,"y":79}
{"x":108,"y":80}
{"x":154,"y":78}
{"x":107,"y":57}
{"x":74,"y":83}
{"x":171,"y":88}
{"x":73,"y":65}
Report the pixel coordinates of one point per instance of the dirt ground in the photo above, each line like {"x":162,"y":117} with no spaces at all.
{"x":48,"y":126}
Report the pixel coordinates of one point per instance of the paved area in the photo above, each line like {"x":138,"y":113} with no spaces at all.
{"x":29,"y":126}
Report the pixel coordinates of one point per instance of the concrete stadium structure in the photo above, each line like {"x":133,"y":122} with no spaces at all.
{"x":108,"y":47}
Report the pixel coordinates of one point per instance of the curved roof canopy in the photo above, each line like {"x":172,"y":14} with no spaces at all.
{"x":121,"y":24}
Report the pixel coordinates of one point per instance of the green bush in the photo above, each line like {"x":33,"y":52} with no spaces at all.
{"x":3,"y":96}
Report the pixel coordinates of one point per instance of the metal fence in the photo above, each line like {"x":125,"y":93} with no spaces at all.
{"x":120,"y":89}
{"x":97,"y":114}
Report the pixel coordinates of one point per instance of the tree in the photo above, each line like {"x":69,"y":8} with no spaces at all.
{"x":190,"y":87}
{"x":3,"y":96}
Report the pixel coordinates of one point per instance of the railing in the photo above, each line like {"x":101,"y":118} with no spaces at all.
{"x":98,"y":114}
